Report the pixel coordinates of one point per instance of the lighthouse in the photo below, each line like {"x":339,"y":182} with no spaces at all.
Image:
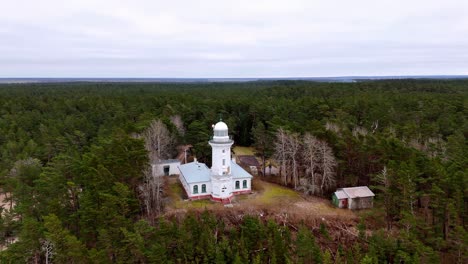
{"x":221,"y":176}
{"x":225,"y":178}
{"x":221,"y":150}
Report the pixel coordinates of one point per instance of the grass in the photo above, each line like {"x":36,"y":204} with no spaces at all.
{"x":177,"y":195}
{"x":243,"y":150}
{"x":272,"y":193}
{"x":199,"y":203}
{"x":265,"y":195}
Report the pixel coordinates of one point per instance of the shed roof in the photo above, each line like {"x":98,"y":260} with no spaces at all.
{"x":238,"y":172}
{"x":355,"y":192}
{"x":340,"y":195}
{"x":195,"y":172}
{"x":167,"y":161}
{"x":248,"y":160}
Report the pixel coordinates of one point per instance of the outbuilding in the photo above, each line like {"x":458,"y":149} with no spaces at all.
{"x":166,"y":167}
{"x":360,"y":197}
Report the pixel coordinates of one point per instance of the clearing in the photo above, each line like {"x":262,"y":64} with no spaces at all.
{"x":266,"y":198}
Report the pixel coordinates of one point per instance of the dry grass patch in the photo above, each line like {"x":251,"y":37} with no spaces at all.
{"x":266,"y":197}
{"x":178,"y":199}
{"x":244,"y":150}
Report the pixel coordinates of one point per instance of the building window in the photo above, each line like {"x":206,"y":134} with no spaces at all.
{"x":195,"y":189}
{"x":203,"y":188}
{"x":244,"y":184}
{"x":237,"y":185}
{"x":224,"y":150}
{"x":224,"y":162}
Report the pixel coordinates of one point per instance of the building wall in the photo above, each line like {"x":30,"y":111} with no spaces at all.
{"x":184,"y":184}
{"x":221,"y":152}
{"x":222,"y":186}
{"x":361,"y":203}
{"x":200,"y":193}
{"x":158,"y":169}
{"x":340,"y":203}
{"x":241,"y":185}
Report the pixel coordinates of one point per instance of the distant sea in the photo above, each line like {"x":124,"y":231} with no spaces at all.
{"x":214,"y":80}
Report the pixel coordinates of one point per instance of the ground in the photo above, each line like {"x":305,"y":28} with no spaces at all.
{"x":271,"y":201}
{"x":266,"y":198}
{"x":243,"y":150}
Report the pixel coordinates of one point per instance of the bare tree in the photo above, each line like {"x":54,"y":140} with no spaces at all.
{"x":48,"y":248}
{"x":311,"y":160}
{"x":293,"y":147}
{"x":178,"y":123}
{"x":328,"y":165}
{"x":330,"y":126}
{"x":359,"y":131}
{"x":375,"y":126}
{"x":151,"y":194}
{"x":158,"y":141}
{"x":280,"y":153}
{"x":307,"y":187}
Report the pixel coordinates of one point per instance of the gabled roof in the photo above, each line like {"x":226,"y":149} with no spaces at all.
{"x":355,"y":192}
{"x":167,"y":161}
{"x":238,"y":172}
{"x":341,"y":195}
{"x":195,"y":172}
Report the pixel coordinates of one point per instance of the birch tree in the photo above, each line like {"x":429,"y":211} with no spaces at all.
{"x":280,"y":153}
{"x":262,"y":143}
{"x":328,"y":166}
{"x":48,"y":248}
{"x":311,"y":161}
{"x":151,"y":194}
{"x":158,"y":141}
{"x":293,"y":148}
{"x":178,"y":123}
{"x":383,"y":178}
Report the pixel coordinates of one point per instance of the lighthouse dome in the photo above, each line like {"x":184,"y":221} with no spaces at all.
{"x":220,"y":132}
{"x":220,"y":126}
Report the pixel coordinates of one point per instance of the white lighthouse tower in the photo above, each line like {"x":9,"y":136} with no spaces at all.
{"x":221,"y":176}
{"x":225,"y":178}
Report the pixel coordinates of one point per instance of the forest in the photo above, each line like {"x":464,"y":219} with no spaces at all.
{"x":73,"y":160}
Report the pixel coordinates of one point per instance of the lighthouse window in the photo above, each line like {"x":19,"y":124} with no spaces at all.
{"x":237,"y":185}
{"x":224,"y":162}
{"x":244,"y":184}
{"x":195,"y":189}
{"x":224,"y":150}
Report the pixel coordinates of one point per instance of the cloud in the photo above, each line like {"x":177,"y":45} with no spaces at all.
{"x":232,"y":38}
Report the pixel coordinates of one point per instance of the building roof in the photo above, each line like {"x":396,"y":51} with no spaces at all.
{"x":167,"y":161}
{"x":341,"y":195}
{"x":238,"y":172}
{"x":248,"y":160}
{"x":195,"y":172}
{"x":220,"y":126}
{"x":356,"y":192}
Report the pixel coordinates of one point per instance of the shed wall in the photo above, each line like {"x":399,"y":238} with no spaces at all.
{"x":361,"y":203}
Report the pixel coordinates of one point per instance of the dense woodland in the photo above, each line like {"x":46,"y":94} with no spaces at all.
{"x":72,"y":162}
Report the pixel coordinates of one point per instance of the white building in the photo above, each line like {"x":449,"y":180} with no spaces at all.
{"x":165,"y":167}
{"x":225,"y":178}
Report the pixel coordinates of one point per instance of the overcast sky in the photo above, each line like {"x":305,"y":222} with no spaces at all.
{"x":152,"y":38}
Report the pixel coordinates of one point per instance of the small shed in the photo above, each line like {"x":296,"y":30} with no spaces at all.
{"x":166,"y":167}
{"x":340,"y":199}
{"x":360,"y":197}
